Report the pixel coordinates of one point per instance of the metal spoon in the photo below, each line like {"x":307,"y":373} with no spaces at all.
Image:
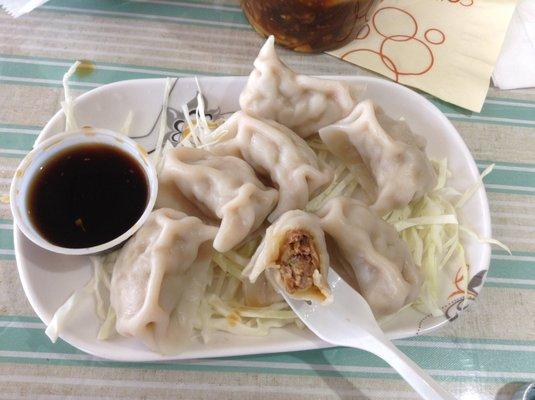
{"x":348,"y":321}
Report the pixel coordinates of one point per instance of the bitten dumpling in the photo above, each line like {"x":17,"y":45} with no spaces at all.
{"x":223,"y":187}
{"x":276,"y":153}
{"x":294,"y":257}
{"x":160,"y":277}
{"x":394,"y":157}
{"x":303,"y":103}
{"x":386,"y":274}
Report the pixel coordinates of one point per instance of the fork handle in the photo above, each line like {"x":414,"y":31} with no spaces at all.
{"x":420,"y":380}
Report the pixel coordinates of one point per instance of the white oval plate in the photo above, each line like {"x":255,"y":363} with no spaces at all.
{"x":49,"y":279}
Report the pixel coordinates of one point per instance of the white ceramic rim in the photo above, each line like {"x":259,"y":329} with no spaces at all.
{"x":121,"y":141}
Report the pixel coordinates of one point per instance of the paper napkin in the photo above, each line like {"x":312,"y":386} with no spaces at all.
{"x":516,"y":65}
{"x":18,"y":7}
{"x":447,"y":48}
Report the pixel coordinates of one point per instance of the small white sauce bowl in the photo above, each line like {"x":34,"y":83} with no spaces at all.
{"x":48,"y":149}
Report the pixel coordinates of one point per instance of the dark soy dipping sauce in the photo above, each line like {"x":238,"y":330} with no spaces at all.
{"x":87,"y":195}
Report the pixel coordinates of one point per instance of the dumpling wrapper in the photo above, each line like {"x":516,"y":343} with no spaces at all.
{"x":223,"y":187}
{"x":159,"y":279}
{"x":393,"y":157}
{"x":381,"y":261}
{"x":293,"y":255}
{"x":169,"y":196}
{"x":277,"y":153}
{"x":302,"y":103}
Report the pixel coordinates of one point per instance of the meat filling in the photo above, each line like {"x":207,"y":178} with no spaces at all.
{"x":298,"y":260}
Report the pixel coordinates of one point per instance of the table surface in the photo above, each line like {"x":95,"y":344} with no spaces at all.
{"x":484,"y":354}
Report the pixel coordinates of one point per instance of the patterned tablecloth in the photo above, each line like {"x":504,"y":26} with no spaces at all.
{"x":485,"y":354}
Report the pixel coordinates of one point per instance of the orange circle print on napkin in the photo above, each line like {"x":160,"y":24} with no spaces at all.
{"x":399,"y":39}
{"x":465,"y":3}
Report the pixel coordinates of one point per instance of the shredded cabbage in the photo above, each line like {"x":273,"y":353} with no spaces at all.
{"x":344,"y":182}
{"x":229,"y":266}
{"x":432,"y":230}
{"x":163,"y":124}
{"x":249,"y":247}
{"x":127,"y":124}
{"x":426,"y":220}
{"x":200,"y":132}
{"x":230,"y":316}
{"x":224,"y":309}
{"x":481,"y":239}
{"x":430,"y":226}
{"x":441,"y":167}
{"x":470,"y":192}
{"x":67,"y":104}
{"x":237,"y":258}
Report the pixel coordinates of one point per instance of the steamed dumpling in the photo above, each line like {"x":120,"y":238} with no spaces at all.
{"x":391,"y":154}
{"x":160,"y":277}
{"x":276,"y":153}
{"x":293,"y":255}
{"x":223,"y":187}
{"x":169,"y":196}
{"x":382,"y":264}
{"x":303,"y":103}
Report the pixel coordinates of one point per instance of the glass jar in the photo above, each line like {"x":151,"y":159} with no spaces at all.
{"x":306,"y":25}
